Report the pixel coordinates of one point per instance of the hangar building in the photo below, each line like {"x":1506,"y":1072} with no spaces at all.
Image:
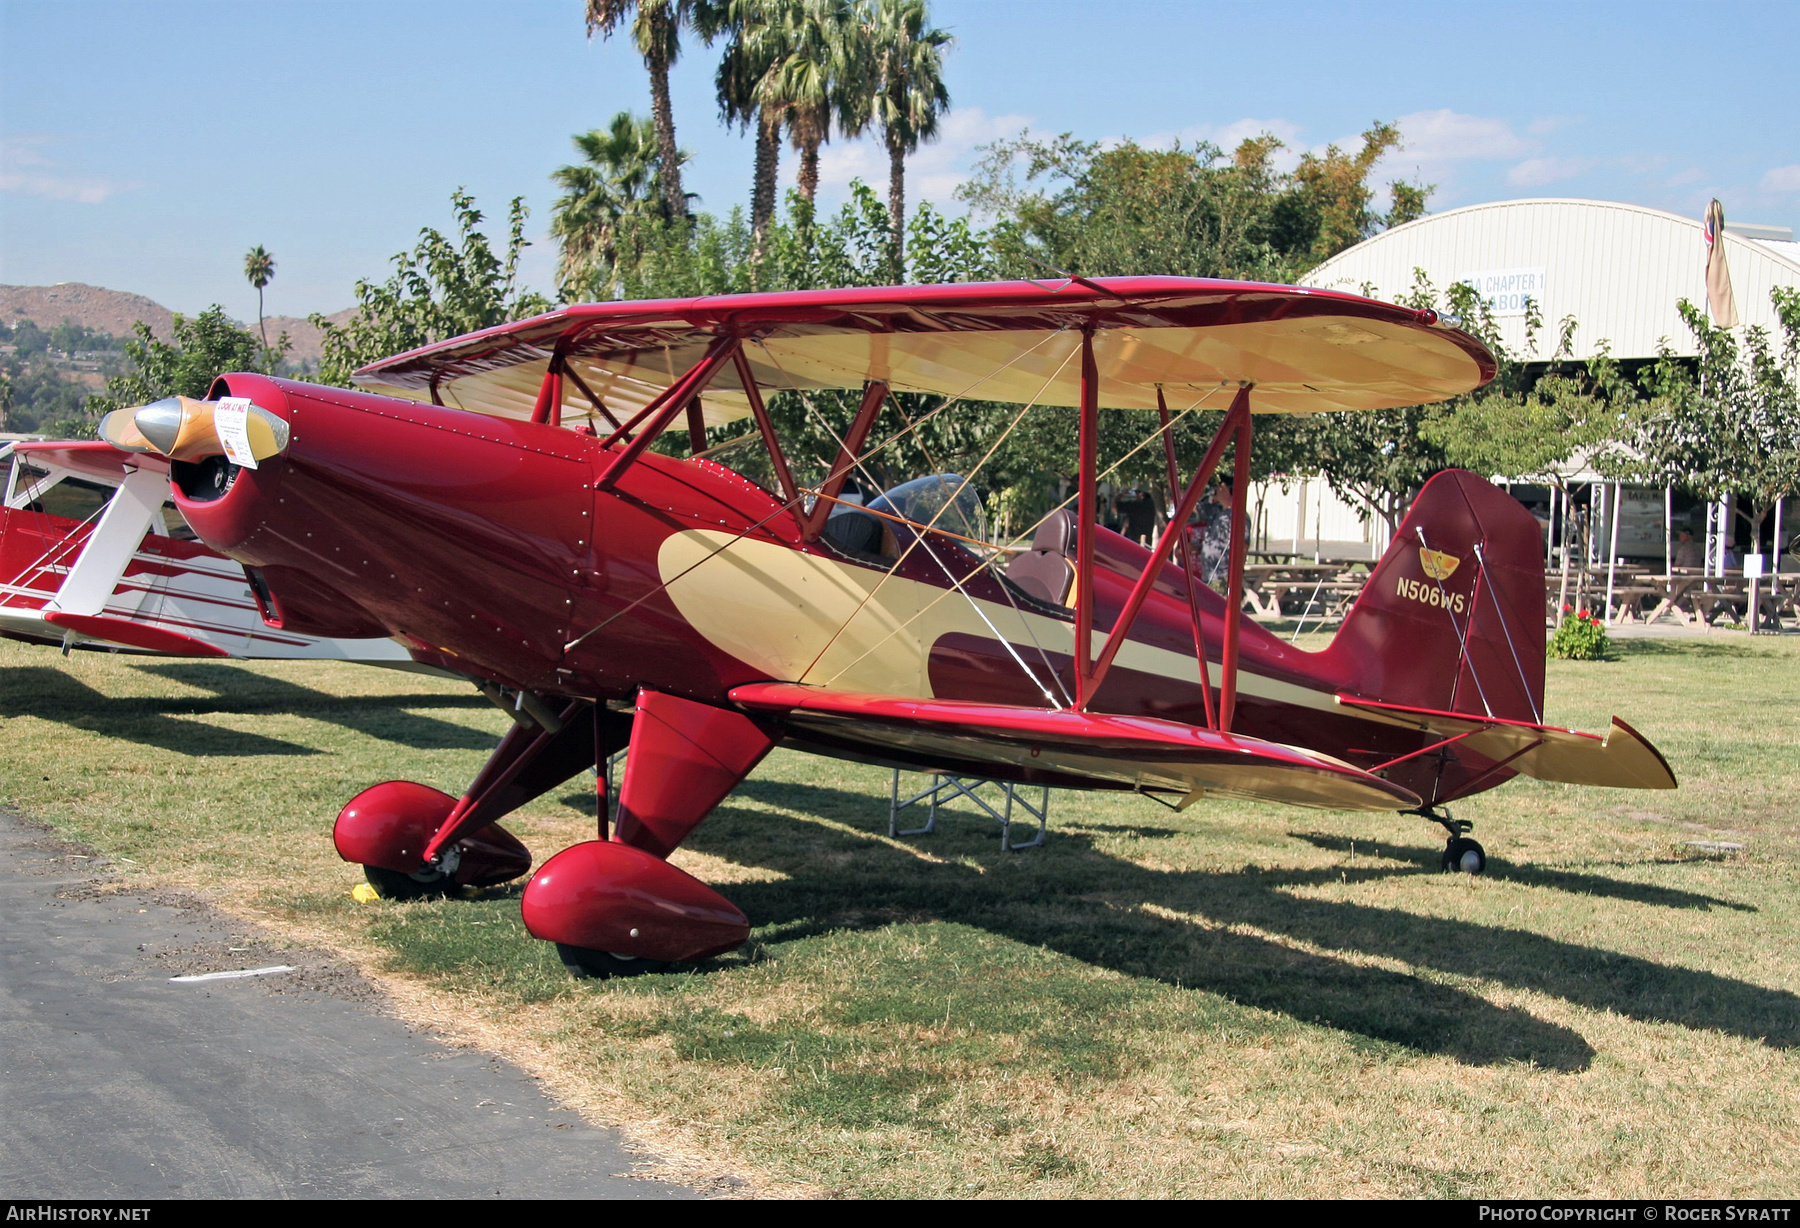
{"x":1619,"y":269}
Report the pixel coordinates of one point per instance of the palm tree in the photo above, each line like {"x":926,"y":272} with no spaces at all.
{"x":909,"y":94}
{"x":824,"y":77}
{"x":259,"y":269}
{"x":758,"y":33}
{"x":619,"y":180}
{"x":657,"y":32}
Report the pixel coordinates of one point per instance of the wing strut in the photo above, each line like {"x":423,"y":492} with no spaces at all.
{"x":660,"y":412}
{"x":777,"y":458}
{"x":849,"y":455}
{"x":1188,"y":573}
{"x":1084,"y":522}
{"x":549,"y":398}
{"x":1234,"y":583}
{"x":1237,"y":421}
{"x":596,"y":402}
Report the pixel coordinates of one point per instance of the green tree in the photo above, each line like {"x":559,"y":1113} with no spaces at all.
{"x":198,"y":351}
{"x":440,"y":289}
{"x":1190,"y":211}
{"x":1548,"y":423}
{"x":618,"y":183}
{"x":1327,"y":207}
{"x":909,"y":95}
{"x":1379,"y":459}
{"x":259,"y":271}
{"x":656,"y":30}
{"x":1727,"y":422}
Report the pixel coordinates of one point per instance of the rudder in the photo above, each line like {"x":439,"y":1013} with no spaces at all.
{"x":1452,"y":617}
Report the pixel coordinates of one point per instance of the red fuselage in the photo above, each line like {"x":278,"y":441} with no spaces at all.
{"x":483,"y":543}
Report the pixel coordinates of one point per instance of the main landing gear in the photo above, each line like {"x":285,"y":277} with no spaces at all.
{"x":612,"y":906}
{"x":1460,"y":853}
{"x":386,"y":828}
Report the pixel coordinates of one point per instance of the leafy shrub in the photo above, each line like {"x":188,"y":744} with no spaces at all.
{"x":1581,"y":637}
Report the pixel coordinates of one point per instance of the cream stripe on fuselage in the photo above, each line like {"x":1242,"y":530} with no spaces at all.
{"x":776,"y":609}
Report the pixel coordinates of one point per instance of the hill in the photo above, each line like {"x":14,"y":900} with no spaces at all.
{"x":114,"y":311}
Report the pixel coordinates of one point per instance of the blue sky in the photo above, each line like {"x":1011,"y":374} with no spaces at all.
{"x":148,"y":145}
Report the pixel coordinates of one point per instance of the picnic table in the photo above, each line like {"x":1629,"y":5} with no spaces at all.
{"x":1689,"y":595}
{"x":1322,"y":590}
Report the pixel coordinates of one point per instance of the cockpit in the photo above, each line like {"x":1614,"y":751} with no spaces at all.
{"x":888,"y":523}
{"x":947,"y":511}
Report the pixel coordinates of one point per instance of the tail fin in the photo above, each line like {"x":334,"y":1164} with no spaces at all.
{"x":1453,"y":617}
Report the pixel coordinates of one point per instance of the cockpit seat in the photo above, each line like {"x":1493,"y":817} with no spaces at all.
{"x":855,"y":531}
{"x":1045,"y":571}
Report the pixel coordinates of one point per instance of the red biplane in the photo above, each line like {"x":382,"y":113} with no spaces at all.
{"x":93,"y":555}
{"x":493,"y":502}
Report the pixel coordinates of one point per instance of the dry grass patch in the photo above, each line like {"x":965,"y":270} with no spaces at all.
{"x":1236,"y":1000}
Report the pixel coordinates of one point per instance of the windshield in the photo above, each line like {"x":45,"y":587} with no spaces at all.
{"x":921,"y":500}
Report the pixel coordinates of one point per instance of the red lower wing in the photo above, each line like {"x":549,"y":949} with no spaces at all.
{"x":1073,"y":748}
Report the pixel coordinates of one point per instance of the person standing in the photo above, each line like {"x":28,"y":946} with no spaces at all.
{"x":1215,"y":539}
{"x":1137,"y":515}
{"x":1687,"y":551}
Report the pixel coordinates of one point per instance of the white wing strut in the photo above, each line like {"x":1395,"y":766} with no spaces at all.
{"x":128,"y":516}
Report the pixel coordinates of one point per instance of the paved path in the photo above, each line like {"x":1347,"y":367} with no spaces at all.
{"x":117,"y":1083}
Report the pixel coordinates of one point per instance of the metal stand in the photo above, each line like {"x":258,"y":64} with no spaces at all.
{"x":959,"y":786}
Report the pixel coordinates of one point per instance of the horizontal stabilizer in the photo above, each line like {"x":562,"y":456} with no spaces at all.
{"x":1075,"y":749}
{"x":1623,"y":759}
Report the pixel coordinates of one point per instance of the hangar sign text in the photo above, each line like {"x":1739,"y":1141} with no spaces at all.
{"x":1505,"y":290}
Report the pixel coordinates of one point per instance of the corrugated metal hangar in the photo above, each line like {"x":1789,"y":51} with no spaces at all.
{"x":1618,"y":269}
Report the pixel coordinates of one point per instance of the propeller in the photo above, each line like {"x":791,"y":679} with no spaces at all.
{"x":184,"y":429}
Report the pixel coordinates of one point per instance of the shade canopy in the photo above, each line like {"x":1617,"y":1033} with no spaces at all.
{"x":1304,"y":351}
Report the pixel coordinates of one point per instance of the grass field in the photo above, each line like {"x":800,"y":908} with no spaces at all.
{"x":1236,"y":1000}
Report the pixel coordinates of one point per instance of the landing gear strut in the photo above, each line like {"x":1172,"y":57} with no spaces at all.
{"x":1460,"y":852}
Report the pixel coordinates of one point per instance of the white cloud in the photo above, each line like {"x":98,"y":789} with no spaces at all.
{"x":1535,"y":172}
{"x":24,"y":167}
{"x":1449,"y":136}
{"x":933,"y":173}
{"x":1782,"y":179}
{"x":1436,"y":147}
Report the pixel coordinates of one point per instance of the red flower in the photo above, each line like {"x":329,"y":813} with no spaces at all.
{"x":1567,"y":608}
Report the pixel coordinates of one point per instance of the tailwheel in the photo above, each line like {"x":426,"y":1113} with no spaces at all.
{"x":1465,"y":855}
{"x":583,"y":963}
{"x":396,"y":885}
{"x":1461,"y":854}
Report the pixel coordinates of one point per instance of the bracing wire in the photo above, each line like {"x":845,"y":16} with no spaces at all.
{"x":1032,"y":529}
{"x":791,"y":503}
{"x":1537,"y":717}
{"x":51,"y":557}
{"x":1005,"y":589}
{"x":920,"y":538}
{"x":1462,"y":631}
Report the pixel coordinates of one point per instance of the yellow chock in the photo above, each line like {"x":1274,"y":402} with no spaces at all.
{"x":362,"y":893}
